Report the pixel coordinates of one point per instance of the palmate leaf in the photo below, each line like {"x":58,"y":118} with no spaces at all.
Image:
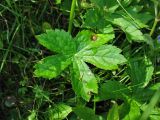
{"x":83,"y":80}
{"x":51,"y":66}
{"x":79,"y":50}
{"x":57,"y":41}
{"x":106,"y":57}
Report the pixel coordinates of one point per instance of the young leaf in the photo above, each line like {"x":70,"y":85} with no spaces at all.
{"x":86,"y":113}
{"x":105,"y":57}
{"x":51,"y":66}
{"x":58,"y":112}
{"x":83,"y":80}
{"x":112,"y":90}
{"x":58,"y":41}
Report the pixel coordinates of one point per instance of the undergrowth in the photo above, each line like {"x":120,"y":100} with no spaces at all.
{"x":79,"y":59}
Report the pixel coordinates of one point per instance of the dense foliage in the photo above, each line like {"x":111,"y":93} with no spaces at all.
{"x":80,"y":60}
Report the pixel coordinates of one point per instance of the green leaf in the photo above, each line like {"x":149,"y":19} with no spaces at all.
{"x":86,"y":113}
{"x":58,"y":112}
{"x":154,"y":113}
{"x":113,"y":113}
{"x":52,"y":66}
{"x":83,"y":38}
{"x":32,"y":116}
{"x":141,"y":18}
{"x":130,"y":28}
{"x":99,"y":2}
{"x":83,"y":80}
{"x":123,"y":109}
{"x":112,"y":90}
{"x":145,"y":95}
{"x":94,"y":19}
{"x":140,"y":71}
{"x":58,"y":41}
{"x":40,"y":93}
{"x":87,"y":39}
{"x":105,"y":57}
{"x":111,"y":5}
{"x":134,"y":113}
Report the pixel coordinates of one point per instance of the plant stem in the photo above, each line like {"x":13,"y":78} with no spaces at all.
{"x":94,"y":105}
{"x":151,"y":105}
{"x":71,"y":17}
{"x":157,"y":16}
{"x":154,"y":26}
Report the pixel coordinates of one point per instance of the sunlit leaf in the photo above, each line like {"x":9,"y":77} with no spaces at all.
{"x":57,"y":41}
{"x":83,"y":80}
{"x":134,"y":112}
{"x":58,"y":112}
{"x":106,"y":57}
{"x":51,"y":66}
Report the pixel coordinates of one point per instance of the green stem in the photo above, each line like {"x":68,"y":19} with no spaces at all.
{"x":151,"y":105}
{"x":94,"y":105}
{"x":71,"y":15}
{"x":8,"y":49}
{"x":154,"y":26}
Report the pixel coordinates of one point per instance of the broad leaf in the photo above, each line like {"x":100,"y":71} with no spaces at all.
{"x":140,"y":71}
{"x":83,"y":80}
{"x":112,"y":90}
{"x":51,"y":66}
{"x":86,"y":113}
{"x":106,"y":57}
{"x":58,"y":41}
{"x":58,"y":112}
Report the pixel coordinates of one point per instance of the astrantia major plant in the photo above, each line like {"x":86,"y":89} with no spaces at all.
{"x":76,"y":53}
